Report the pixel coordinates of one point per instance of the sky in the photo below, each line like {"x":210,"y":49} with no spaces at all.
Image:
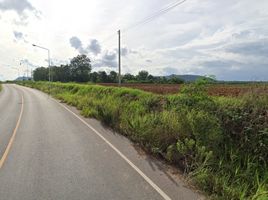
{"x":225,"y":38}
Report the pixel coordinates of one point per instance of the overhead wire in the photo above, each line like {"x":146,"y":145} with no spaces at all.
{"x":147,"y":19}
{"x":158,"y":13}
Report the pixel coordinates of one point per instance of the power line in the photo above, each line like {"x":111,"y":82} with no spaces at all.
{"x":146,"y":20}
{"x":158,"y":13}
{"x":155,"y":15}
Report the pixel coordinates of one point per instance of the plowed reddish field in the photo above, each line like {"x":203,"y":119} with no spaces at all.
{"x":215,"y":90}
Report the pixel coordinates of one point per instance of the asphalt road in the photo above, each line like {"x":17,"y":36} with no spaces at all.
{"x":49,"y":152}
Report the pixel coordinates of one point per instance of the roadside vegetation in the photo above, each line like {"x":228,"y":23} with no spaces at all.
{"x":221,"y":143}
{"x":0,"y":87}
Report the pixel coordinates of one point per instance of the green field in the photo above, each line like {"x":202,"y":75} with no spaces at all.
{"x":221,"y":143}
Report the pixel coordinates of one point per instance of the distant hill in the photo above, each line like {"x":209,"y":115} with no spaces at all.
{"x":23,"y":78}
{"x":186,"y":77}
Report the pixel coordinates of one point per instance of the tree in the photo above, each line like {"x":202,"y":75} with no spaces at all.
{"x":175,"y":80}
{"x":40,"y":74}
{"x":94,"y":77}
{"x":151,"y":78}
{"x":80,"y":68}
{"x":128,"y":77}
{"x":162,"y":80}
{"x":113,"y":77}
{"x":61,"y":73}
{"x":102,"y":77}
{"x":143,"y":75}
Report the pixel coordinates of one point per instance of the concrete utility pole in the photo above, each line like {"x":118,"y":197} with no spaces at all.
{"x":119,"y":58}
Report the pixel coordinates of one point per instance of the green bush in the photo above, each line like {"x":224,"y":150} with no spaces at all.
{"x":222,"y":143}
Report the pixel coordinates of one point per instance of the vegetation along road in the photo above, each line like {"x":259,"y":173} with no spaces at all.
{"x":49,"y":151}
{"x":220,"y":143}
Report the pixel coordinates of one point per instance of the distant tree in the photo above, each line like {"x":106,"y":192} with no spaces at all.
{"x":102,"y":77}
{"x":128,"y":77}
{"x":113,"y":77}
{"x":175,"y":80}
{"x":206,"y":79}
{"x":142,"y":75}
{"x":66,"y":73}
{"x":61,"y":73}
{"x":80,"y":68}
{"x":94,"y":77}
{"x":151,"y":78}
{"x":163,"y":80}
{"x":40,"y":74}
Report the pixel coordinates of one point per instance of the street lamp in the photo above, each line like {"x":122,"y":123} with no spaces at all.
{"x":47,"y":60}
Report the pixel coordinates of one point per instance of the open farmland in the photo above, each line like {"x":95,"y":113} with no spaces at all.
{"x":232,"y":90}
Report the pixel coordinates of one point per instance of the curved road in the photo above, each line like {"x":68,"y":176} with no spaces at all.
{"x":48,"y":151}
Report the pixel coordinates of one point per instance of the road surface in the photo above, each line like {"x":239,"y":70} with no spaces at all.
{"x":49,"y":152}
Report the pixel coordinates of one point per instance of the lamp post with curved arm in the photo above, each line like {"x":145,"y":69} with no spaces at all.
{"x":48,"y":51}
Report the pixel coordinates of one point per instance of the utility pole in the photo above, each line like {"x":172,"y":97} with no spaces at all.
{"x":119,"y":58}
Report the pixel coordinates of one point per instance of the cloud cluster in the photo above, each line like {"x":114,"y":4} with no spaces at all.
{"x":77,"y":44}
{"x":253,"y":48}
{"x":109,"y":59}
{"x":23,"y":8}
{"x":93,"y":47}
{"x":19,"y":36}
{"x":106,"y":58}
{"x":20,"y":7}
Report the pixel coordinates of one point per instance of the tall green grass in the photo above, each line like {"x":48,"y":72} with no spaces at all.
{"x":221,"y":143}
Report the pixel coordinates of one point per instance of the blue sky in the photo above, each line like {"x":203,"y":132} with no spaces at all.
{"x":225,"y":38}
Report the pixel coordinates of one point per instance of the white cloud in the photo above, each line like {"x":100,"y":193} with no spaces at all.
{"x":226,"y":38}
{"x":94,"y":47}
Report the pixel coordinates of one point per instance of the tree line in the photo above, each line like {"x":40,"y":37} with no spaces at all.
{"x":79,"y":70}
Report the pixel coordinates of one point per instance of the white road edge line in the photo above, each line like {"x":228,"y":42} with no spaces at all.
{"x":146,"y":178}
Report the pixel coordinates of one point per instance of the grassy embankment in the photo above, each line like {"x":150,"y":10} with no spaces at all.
{"x":221,"y":143}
